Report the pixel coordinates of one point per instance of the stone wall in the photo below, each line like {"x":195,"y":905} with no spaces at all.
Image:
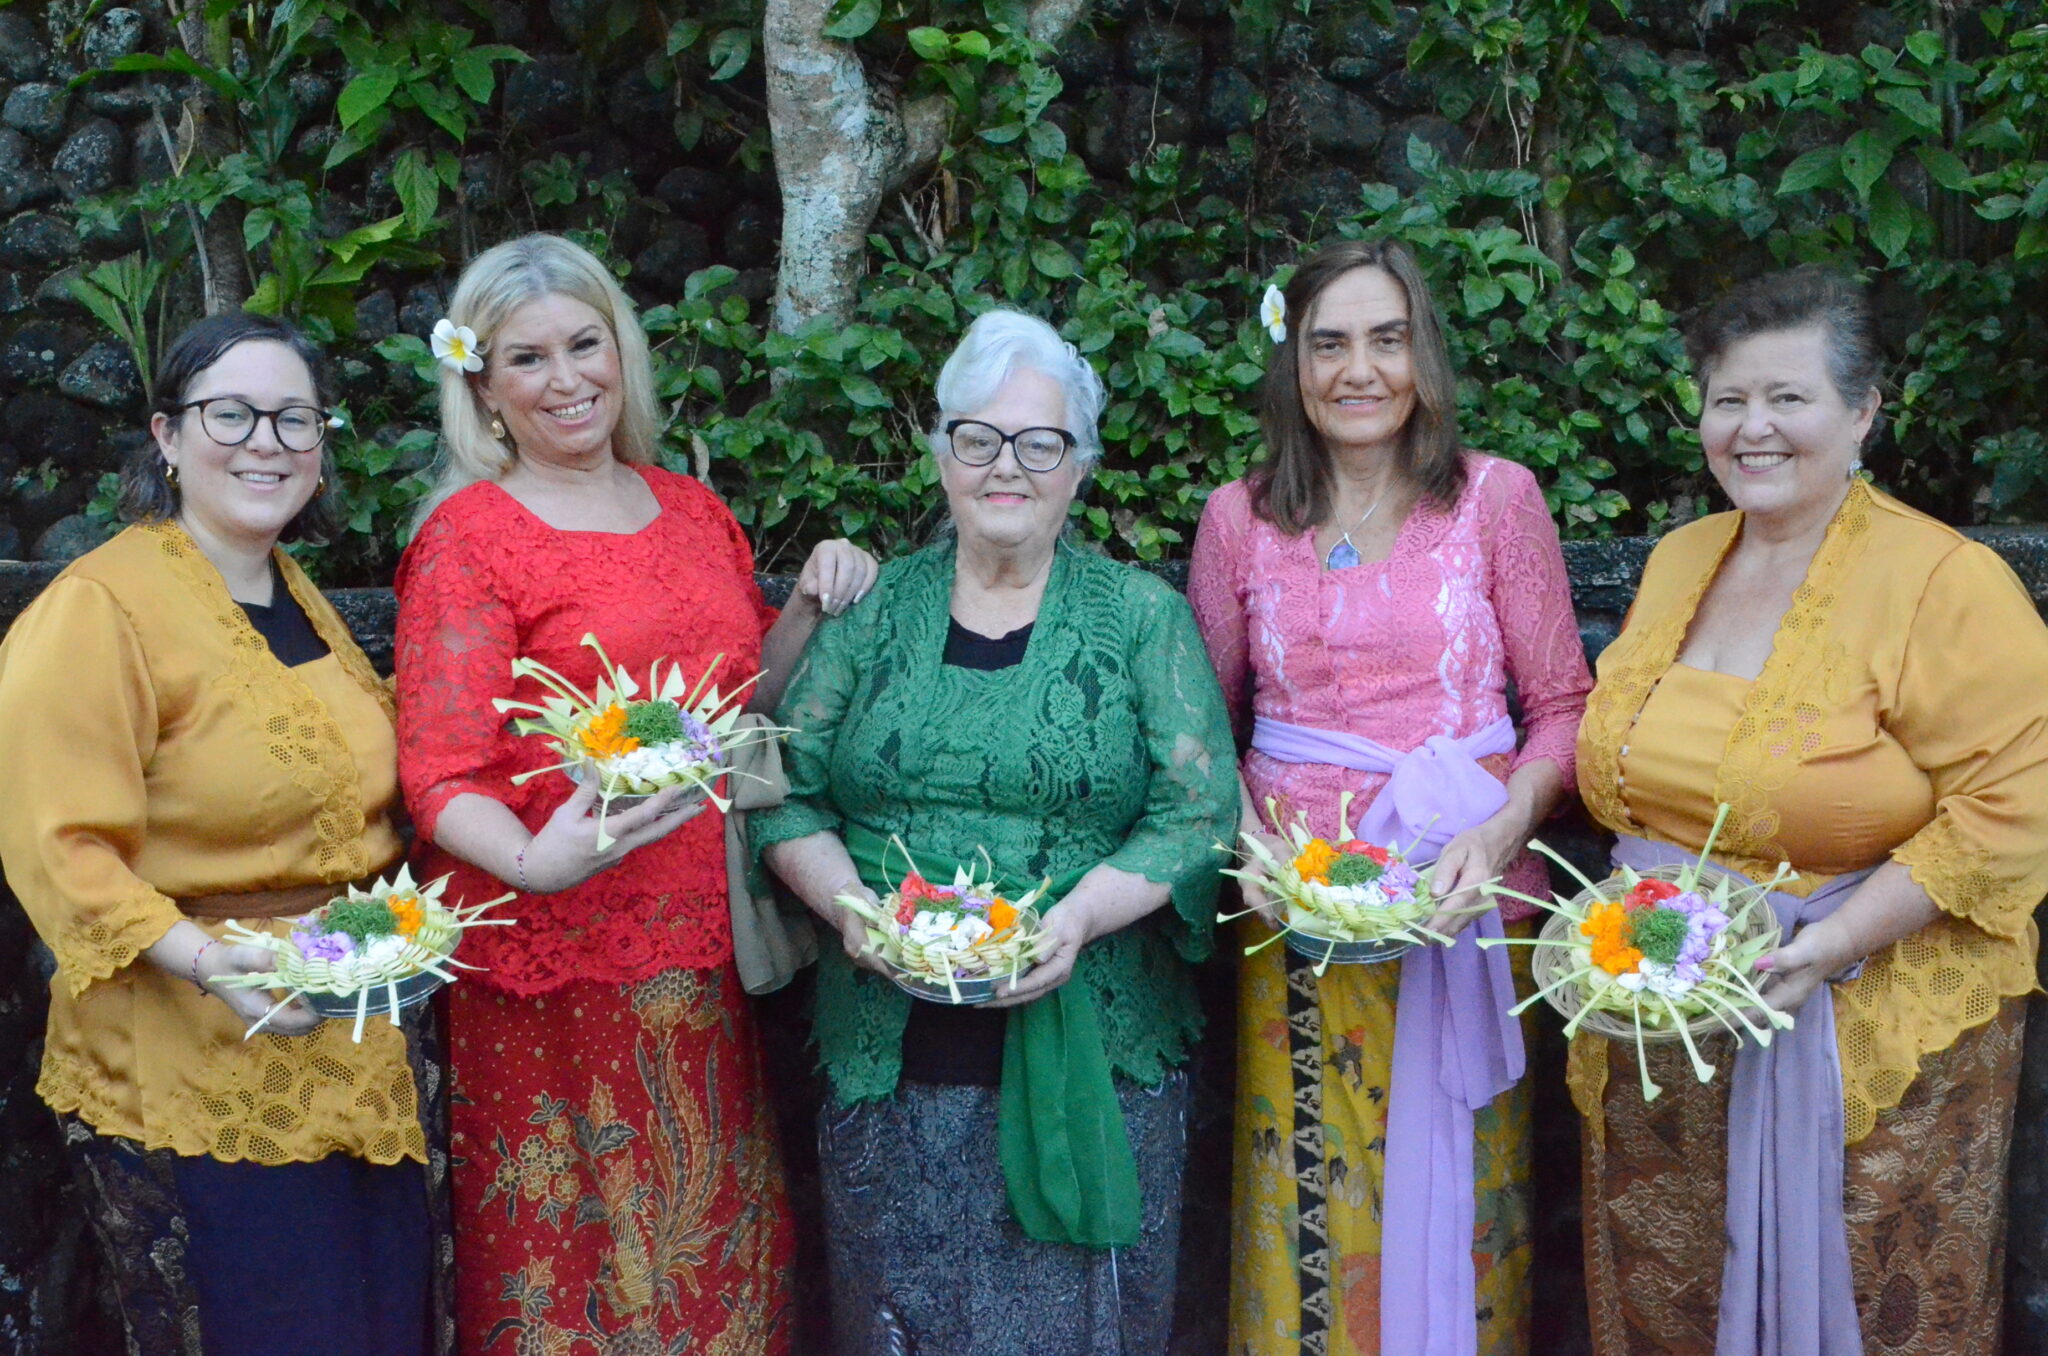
{"x":51,"y":1303}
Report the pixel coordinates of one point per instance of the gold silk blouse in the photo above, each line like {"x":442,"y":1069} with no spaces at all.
{"x":155,"y":749}
{"x":1900,"y":716}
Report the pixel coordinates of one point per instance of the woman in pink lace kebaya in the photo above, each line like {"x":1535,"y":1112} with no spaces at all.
{"x":1367,"y":595}
{"x":616,"y":1180}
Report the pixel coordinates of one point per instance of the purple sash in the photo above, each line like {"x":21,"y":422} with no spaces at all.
{"x":1786,"y":1289}
{"x":1455,"y":1047}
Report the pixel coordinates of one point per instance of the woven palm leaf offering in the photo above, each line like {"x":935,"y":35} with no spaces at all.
{"x":1657,"y":956}
{"x":1347,"y":901}
{"x":953,"y":943}
{"x":366,"y":953}
{"x":682,"y":734}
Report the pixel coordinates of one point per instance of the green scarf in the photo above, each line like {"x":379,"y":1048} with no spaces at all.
{"x":1066,"y":1158}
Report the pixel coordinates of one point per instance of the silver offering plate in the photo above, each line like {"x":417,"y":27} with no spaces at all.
{"x":412,"y":992}
{"x":1328,"y":950}
{"x":972,"y":991}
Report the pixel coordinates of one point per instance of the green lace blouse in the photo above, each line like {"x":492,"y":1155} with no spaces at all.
{"x":1108,"y":743}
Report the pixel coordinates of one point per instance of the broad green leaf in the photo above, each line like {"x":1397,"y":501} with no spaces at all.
{"x":1891,"y":221}
{"x":1865,"y":157}
{"x":2032,"y":241}
{"x":683,"y":33}
{"x":863,"y":391}
{"x":1914,"y":106}
{"x":1927,"y":47}
{"x":364,"y":95}
{"x":1821,"y":168}
{"x":972,"y":43}
{"x":931,"y":43}
{"x":1051,"y":258}
{"x":472,"y":70}
{"x":1482,"y":294}
{"x":850,"y":19}
{"x":1945,"y":167}
{"x":730,"y":51}
{"x":418,"y":188}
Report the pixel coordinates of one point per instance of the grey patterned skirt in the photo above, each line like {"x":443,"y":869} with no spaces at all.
{"x":926,"y":1260}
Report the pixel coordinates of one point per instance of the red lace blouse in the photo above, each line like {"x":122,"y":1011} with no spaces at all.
{"x":485,"y":582}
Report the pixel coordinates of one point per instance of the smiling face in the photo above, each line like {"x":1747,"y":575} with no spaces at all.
{"x":1778,"y":435}
{"x":1357,"y":371}
{"x":1002,"y":505}
{"x":553,"y":377}
{"x":249,"y":493}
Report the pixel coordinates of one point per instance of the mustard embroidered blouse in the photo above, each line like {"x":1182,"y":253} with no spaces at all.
{"x":155,"y":750}
{"x":1901,"y":715}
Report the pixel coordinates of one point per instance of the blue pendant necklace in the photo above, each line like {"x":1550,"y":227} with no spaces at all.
{"x":1343,"y":555}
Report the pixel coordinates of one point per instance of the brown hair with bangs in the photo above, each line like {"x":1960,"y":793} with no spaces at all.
{"x":1292,"y":486}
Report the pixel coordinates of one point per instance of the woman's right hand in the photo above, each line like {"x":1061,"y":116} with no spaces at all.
{"x":1255,"y":898}
{"x":853,"y":932}
{"x":564,"y":853}
{"x":222,"y":960}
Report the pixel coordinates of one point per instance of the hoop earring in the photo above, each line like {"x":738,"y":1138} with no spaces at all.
{"x":170,"y":473}
{"x":497,"y":428}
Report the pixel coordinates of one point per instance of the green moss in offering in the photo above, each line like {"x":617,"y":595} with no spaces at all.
{"x":1658,"y":933}
{"x":654,"y":722}
{"x":361,"y":919}
{"x":1354,"y":868}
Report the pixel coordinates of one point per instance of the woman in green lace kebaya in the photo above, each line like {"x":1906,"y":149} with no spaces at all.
{"x":1006,"y":1179}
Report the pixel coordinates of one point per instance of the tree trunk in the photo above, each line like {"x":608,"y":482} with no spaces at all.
{"x":218,"y":237}
{"x":841,"y":146}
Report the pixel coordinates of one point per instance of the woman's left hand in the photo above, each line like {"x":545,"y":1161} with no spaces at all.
{"x":1470,"y":860}
{"x":1799,"y":969}
{"x":1065,"y":931}
{"x":838,"y":575}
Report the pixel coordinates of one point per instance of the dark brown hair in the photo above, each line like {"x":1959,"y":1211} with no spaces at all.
{"x":147,"y":494}
{"x":1291,"y":488}
{"x":1796,"y":299}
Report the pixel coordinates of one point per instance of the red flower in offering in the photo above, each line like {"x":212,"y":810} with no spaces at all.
{"x":1649,"y":894}
{"x":1358,"y":847}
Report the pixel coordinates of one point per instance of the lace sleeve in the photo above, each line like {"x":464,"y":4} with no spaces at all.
{"x":1216,"y":593}
{"x":1970,"y":713}
{"x":78,"y":723}
{"x":818,"y":696}
{"x":1191,"y":803}
{"x":455,"y":645}
{"x":1532,"y":596}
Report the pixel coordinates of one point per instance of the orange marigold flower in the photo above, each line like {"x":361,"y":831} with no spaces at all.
{"x":1607,"y":924}
{"x":409,"y":913}
{"x":605,"y":736}
{"x":1001,"y":913}
{"x":1314,"y":861}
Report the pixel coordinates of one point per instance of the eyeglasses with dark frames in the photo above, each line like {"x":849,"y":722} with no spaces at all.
{"x":231,"y":422}
{"x":1038,"y":449}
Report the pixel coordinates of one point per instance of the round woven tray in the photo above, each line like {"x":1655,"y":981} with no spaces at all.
{"x":922,"y":974}
{"x":1551,"y":963}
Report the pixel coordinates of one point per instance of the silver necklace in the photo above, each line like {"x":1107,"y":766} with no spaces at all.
{"x":1343,"y":553}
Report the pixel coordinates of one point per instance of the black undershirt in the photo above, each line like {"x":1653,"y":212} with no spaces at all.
{"x":284,"y":626}
{"x":963,"y":1045}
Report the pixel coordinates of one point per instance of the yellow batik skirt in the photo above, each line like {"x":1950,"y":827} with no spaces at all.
{"x":1314,"y":1059}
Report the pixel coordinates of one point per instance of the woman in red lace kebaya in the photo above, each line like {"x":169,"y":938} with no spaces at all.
{"x":616,"y":1182}
{"x":1366,"y":596}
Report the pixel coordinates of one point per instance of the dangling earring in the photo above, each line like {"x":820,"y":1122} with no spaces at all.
{"x":1855,"y":468}
{"x":321,"y":488}
{"x":170,"y":473}
{"x":497,"y":428}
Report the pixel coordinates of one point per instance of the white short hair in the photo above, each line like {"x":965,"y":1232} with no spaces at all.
{"x":1001,"y":343}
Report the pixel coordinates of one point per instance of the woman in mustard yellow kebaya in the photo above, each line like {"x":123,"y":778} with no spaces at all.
{"x":1862,"y":685}
{"x":192,"y":735}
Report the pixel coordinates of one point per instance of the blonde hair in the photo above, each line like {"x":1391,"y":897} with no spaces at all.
{"x":498,"y":282}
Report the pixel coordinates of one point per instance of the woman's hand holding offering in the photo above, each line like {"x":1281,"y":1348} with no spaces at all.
{"x":564,"y":853}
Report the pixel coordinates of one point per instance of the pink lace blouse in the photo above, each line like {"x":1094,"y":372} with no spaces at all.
{"x":1420,"y":644}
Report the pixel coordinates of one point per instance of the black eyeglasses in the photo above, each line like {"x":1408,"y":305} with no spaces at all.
{"x":231,"y":422}
{"x":1037,"y":449}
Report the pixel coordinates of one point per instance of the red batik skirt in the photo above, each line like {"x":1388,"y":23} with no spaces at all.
{"x":616,"y":1179}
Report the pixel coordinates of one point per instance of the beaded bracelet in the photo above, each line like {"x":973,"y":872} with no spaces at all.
{"x":196,"y":980}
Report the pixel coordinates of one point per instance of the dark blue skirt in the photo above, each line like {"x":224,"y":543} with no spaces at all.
{"x":239,"y":1259}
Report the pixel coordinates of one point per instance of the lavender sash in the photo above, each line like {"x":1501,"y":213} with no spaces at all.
{"x":1786,"y":1289}
{"x":1455,"y":1047}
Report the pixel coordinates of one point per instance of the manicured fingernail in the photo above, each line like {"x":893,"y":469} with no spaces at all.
{"x":828,"y":602}
{"x":1762,"y":963}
